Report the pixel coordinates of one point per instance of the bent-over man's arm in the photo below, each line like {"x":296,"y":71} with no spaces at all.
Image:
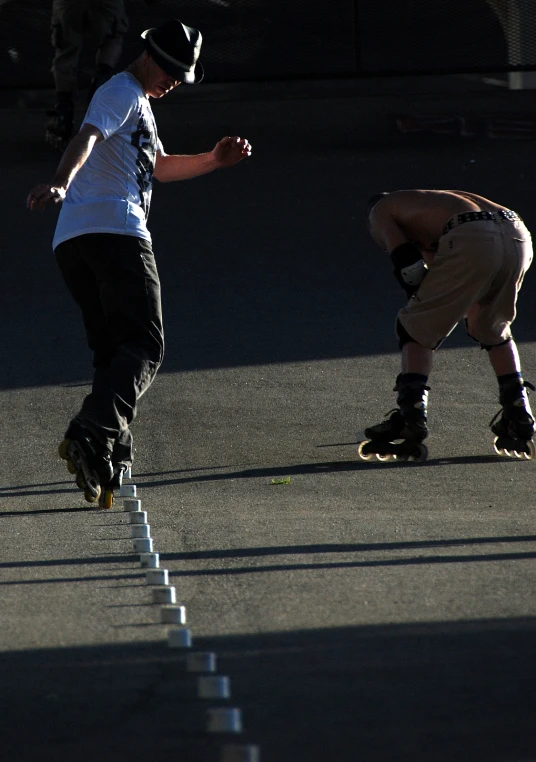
{"x":409,"y":266}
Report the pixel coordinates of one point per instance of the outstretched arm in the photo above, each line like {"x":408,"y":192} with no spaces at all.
{"x":73,"y":159}
{"x":227,"y":152}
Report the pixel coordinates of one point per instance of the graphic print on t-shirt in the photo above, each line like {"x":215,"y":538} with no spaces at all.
{"x":144,"y":139}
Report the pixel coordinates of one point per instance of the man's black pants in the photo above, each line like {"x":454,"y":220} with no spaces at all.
{"x":114,"y":280}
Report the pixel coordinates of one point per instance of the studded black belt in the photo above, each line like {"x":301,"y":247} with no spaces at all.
{"x":462,"y":217}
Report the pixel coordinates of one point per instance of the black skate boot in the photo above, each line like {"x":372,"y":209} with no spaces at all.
{"x":407,"y":422}
{"x":88,"y":459}
{"x":515,"y":426}
{"x":60,"y":122}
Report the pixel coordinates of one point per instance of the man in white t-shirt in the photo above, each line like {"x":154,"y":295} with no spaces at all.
{"x":103,"y":246}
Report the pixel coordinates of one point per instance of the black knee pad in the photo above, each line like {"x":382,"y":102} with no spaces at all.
{"x":403,"y":335}
{"x":487,"y":347}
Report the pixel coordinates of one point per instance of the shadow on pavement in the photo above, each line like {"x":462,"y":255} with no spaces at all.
{"x":448,"y":692}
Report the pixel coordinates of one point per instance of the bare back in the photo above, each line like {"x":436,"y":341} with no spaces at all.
{"x":419,"y":216}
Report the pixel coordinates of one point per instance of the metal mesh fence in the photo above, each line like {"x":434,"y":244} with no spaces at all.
{"x":247,"y":40}
{"x":418,"y":36}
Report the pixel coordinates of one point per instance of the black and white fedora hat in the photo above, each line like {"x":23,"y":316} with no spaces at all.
{"x":175,"y":47}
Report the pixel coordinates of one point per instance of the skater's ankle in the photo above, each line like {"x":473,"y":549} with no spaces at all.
{"x":508,"y":379}
{"x":412,"y":378}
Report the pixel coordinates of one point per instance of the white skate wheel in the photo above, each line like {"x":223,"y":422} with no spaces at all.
{"x":531,"y":454}
{"x":138,"y":517}
{"x":127,"y":490}
{"x":173,"y":614}
{"x":179,"y":637}
{"x":245,"y":753}
{"x":213,"y":687}
{"x":223,"y":720}
{"x":164,"y":595}
{"x":143,"y":544}
{"x":149,"y":560}
{"x":157,"y":577}
{"x":140,"y":530}
{"x":364,"y":456}
{"x":131,"y":504}
{"x":201,"y":661}
{"x":384,"y":458}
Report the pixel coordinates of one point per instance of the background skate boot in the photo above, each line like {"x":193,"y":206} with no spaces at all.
{"x":515,"y":427}
{"x":60,"y":123}
{"x":108,"y":490}
{"x":401,"y":435}
{"x":88,"y":460}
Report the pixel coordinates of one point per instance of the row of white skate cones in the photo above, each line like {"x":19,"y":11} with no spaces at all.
{"x":210,"y":685}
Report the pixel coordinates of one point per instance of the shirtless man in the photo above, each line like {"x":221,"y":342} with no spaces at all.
{"x":458,"y":256}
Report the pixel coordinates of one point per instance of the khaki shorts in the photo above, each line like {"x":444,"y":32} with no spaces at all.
{"x":476,"y":275}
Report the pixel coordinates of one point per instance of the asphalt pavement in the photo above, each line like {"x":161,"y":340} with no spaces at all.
{"x":361,"y":611}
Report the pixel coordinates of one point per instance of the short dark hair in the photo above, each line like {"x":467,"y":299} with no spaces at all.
{"x":373,"y":200}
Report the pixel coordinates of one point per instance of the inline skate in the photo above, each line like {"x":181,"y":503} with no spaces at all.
{"x":514,"y":428}
{"x":90,"y":462}
{"x":107,"y":494}
{"x":401,"y":435}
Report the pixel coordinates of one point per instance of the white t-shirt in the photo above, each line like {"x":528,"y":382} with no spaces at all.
{"x":111,"y":192}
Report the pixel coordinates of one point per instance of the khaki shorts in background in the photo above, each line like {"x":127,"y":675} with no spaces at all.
{"x":70,"y":21}
{"x":476,"y":274}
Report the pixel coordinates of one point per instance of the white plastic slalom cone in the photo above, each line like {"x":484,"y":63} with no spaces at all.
{"x":224,"y":720}
{"x":179,"y":637}
{"x":150,"y":560}
{"x":157,"y":577}
{"x":137,"y":517}
{"x":164,"y":594}
{"x":173,"y":614}
{"x":214,"y":687}
{"x":131,"y":504}
{"x":143,"y":544}
{"x":240,"y":753}
{"x":201,"y":661}
{"x":140,"y":530}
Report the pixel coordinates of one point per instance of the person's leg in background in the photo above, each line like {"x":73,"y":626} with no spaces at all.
{"x":109,"y":24}
{"x":67,"y":37}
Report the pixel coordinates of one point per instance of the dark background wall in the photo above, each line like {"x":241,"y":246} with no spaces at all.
{"x":247,"y":40}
